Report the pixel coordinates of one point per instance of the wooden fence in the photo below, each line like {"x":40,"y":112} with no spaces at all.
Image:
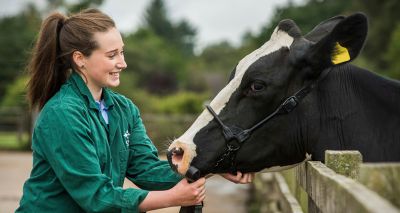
{"x":15,"y":120}
{"x":343,"y":184}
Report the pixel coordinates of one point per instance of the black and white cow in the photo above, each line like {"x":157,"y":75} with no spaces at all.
{"x":295,"y":97}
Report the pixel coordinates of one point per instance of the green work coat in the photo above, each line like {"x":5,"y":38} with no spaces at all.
{"x":80,"y":162}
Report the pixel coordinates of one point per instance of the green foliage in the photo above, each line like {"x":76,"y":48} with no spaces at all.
{"x":72,"y":7}
{"x":162,"y":129}
{"x":181,"y":103}
{"x":210,"y":70}
{"x":15,"y":94}
{"x":180,"y":35}
{"x":13,"y":141}
{"x":220,"y":57}
{"x":306,"y":16}
{"x":128,"y":84}
{"x":83,"y":4}
{"x":16,"y":40}
{"x":392,"y":56}
{"x":157,"y":66}
{"x":383,"y":17}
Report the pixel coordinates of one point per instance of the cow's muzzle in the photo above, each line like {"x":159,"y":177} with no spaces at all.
{"x":180,"y":156}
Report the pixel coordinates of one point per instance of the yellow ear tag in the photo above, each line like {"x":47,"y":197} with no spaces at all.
{"x":340,"y":54}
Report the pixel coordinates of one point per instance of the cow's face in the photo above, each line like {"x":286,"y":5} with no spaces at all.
{"x":259,"y":84}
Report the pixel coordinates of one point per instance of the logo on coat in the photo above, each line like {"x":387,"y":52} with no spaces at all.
{"x":126,"y":136}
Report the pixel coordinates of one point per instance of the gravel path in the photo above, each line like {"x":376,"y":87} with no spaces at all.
{"x":221,"y":196}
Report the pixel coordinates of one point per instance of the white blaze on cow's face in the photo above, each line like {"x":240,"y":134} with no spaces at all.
{"x":185,"y":143}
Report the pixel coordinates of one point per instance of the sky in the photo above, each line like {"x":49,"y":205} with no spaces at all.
{"x":215,"y":20}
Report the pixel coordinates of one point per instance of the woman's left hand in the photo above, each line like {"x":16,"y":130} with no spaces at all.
{"x":239,"y":177}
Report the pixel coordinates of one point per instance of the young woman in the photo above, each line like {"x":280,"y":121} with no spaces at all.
{"x":87,"y":139}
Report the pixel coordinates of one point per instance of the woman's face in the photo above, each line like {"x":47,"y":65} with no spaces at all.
{"x":102,"y":68}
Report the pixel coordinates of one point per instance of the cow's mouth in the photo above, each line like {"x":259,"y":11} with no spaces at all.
{"x":180,"y":156}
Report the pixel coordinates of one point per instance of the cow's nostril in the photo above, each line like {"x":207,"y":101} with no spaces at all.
{"x":177,"y":151}
{"x":177,"y":155}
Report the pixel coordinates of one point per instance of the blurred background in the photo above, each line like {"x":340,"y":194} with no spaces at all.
{"x":179,"y":53}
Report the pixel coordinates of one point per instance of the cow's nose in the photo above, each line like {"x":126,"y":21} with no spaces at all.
{"x":180,"y":156}
{"x":175,"y":156}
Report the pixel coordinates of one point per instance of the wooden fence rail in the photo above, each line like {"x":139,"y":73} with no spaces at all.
{"x":343,"y":184}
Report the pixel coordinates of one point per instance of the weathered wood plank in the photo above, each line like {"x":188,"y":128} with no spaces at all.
{"x":383,"y":178}
{"x":332,"y":192}
{"x":289,"y":202}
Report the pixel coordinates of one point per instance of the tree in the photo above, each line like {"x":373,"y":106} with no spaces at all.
{"x":393,"y":54}
{"x":16,"y":40}
{"x":158,"y":52}
{"x":383,"y":17}
{"x":72,"y":7}
{"x":306,"y":16}
{"x":181,"y":35}
{"x":156,"y":64}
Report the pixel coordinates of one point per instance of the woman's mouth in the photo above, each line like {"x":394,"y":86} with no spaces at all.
{"x":114,"y":74}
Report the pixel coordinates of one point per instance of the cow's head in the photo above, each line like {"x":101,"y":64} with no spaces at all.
{"x":259,"y":84}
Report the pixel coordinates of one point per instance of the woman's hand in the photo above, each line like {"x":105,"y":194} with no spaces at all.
{"x":188,"y":194}
{"x":182,"y":194}
{"x":239,"y":177}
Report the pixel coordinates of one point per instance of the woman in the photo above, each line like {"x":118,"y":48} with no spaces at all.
{"x":87,"y":139}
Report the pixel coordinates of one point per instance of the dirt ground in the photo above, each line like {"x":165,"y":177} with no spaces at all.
{"x":221,"y":195}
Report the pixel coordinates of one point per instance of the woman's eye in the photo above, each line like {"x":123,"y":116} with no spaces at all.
{"x":257,"y":86}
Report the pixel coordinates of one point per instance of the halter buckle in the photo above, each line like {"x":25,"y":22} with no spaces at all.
{"x":289,"y":104}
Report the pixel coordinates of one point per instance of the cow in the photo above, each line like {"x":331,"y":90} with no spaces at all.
{"x":290,"y":100}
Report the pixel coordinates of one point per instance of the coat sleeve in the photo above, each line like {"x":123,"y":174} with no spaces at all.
{"x":63,"y":136}
{"x":145,"y":169}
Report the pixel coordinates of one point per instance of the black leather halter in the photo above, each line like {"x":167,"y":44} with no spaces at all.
{"x":235,"y":136}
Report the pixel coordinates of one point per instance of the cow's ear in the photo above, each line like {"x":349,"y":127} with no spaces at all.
{"x":341,"y":45}
{"x":323,"y":29}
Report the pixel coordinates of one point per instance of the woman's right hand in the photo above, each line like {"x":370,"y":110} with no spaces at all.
{"x":189,"y":194}
{"x":182,"y":194}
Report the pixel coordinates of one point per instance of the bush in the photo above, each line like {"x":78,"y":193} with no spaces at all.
{"x":181,"y":103}
{"x":15,"y":95}
{"x":393,"y":54}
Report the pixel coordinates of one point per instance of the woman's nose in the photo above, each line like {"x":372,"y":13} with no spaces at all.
{"x":122,"y":64}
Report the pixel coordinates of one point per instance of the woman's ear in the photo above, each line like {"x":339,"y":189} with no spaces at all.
{"x":78,"y":59}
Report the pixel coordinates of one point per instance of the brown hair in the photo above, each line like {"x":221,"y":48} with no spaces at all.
{"x":59,"y":37}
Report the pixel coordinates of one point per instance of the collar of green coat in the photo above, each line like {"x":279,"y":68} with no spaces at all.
{"x":77,"y":80}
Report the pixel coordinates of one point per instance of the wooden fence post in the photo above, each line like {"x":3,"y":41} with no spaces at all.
{"x":345,"y":163}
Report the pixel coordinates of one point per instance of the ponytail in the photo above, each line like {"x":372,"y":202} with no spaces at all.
{"x":51,"y":61}
{"x":45,"y":67}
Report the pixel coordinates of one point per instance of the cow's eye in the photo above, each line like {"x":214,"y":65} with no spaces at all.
{"x":257,"y":86}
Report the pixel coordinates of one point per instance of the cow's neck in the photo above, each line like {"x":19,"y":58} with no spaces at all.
{"x":358,"y":110}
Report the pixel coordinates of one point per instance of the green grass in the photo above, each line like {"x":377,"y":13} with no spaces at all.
{"x":9,"y":141}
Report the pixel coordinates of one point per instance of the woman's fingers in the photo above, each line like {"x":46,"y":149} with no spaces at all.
{"x":239,"y":177}
{"x":200,"y":182}
{"x":199,"y":192}
{"x":247,"y":178}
